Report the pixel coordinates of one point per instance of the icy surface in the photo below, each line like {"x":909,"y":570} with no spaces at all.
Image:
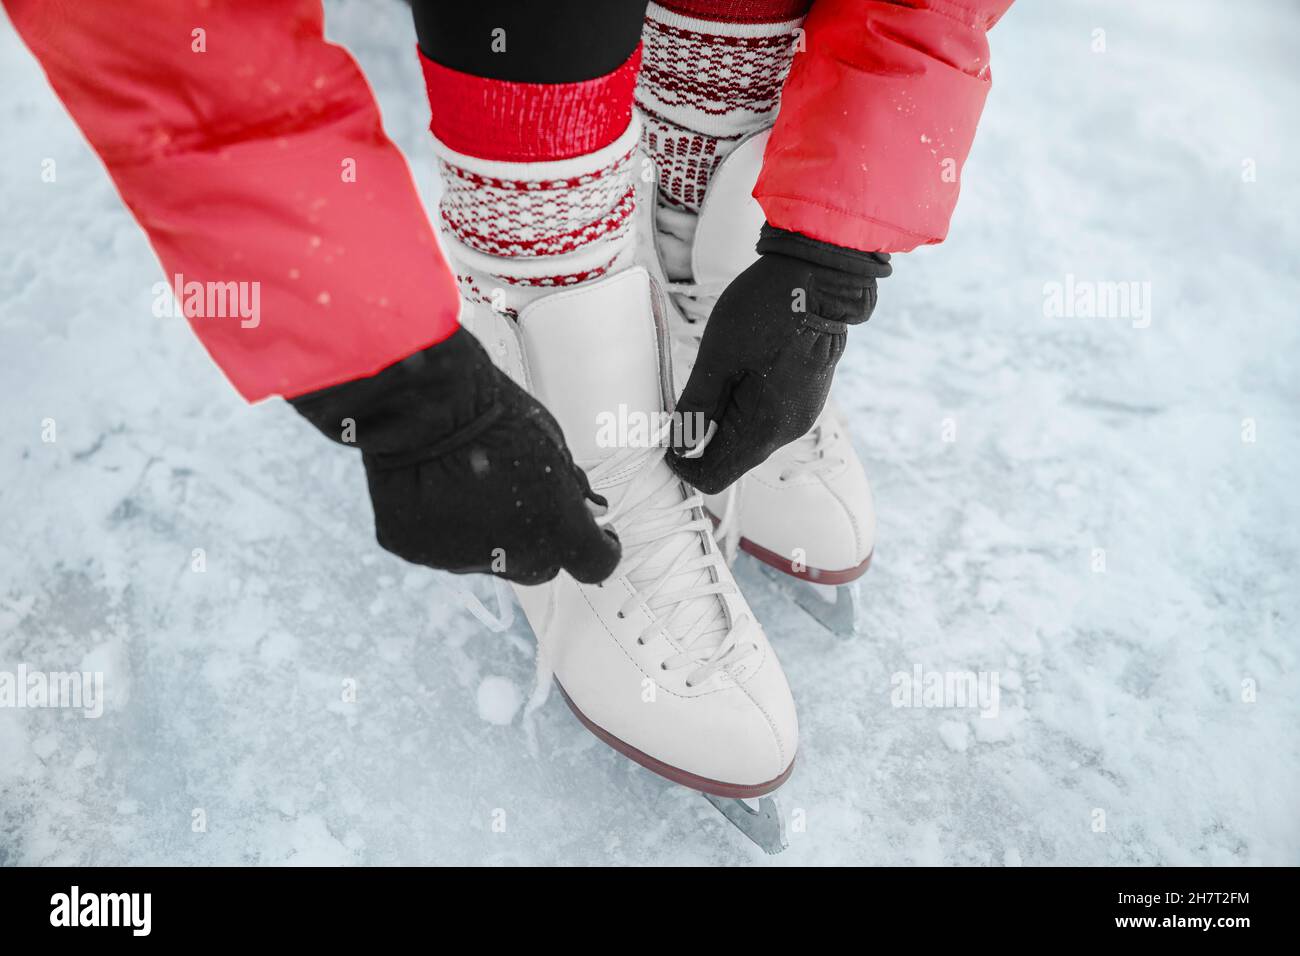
{"x":309,"y":699}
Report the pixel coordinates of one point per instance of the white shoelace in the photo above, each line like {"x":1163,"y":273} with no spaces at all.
{"x":645,"y":516}
{"x":672,"y":562}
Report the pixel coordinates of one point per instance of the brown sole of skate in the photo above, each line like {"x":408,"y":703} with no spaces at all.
{"x":811,"y":575}
{"x":691,"y":781}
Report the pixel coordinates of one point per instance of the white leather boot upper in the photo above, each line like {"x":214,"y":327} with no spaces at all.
{"x":809,"y":506}
{"x":665,"y":656}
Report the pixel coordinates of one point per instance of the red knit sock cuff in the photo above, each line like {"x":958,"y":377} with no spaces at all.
{"x":529,"y":122}
{"x":740,"y":11}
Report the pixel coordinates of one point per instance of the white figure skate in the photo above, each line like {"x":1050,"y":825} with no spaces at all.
{"x":807,"y":512}
{"x":664,"y":661}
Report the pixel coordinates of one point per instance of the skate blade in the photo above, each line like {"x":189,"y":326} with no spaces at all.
{"x":765,"y":826}
{"x":838,"y":608}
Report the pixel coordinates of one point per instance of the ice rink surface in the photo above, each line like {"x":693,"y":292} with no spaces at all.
{"x":1148,"y":710}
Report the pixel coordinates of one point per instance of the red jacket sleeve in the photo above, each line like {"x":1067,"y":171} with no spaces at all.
{"x":251,"y":152}
{"x":876,"y":120}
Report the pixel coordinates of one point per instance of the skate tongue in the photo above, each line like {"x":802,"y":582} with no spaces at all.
{"x":595,"y":361}
{"x":730,"y":217}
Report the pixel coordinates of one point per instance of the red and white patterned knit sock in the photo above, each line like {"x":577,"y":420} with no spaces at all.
{"x":712,"y":74}
{"x":537,"y":180}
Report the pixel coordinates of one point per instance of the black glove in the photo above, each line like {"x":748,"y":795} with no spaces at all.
{"x":768,"y":353}
{"x":467,"y":471}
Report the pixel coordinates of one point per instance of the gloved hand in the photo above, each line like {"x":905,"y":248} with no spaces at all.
{"x":768,"y":354}
{"x":467,"y":472}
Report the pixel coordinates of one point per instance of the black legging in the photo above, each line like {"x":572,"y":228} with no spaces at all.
{"x":546,"y":41}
